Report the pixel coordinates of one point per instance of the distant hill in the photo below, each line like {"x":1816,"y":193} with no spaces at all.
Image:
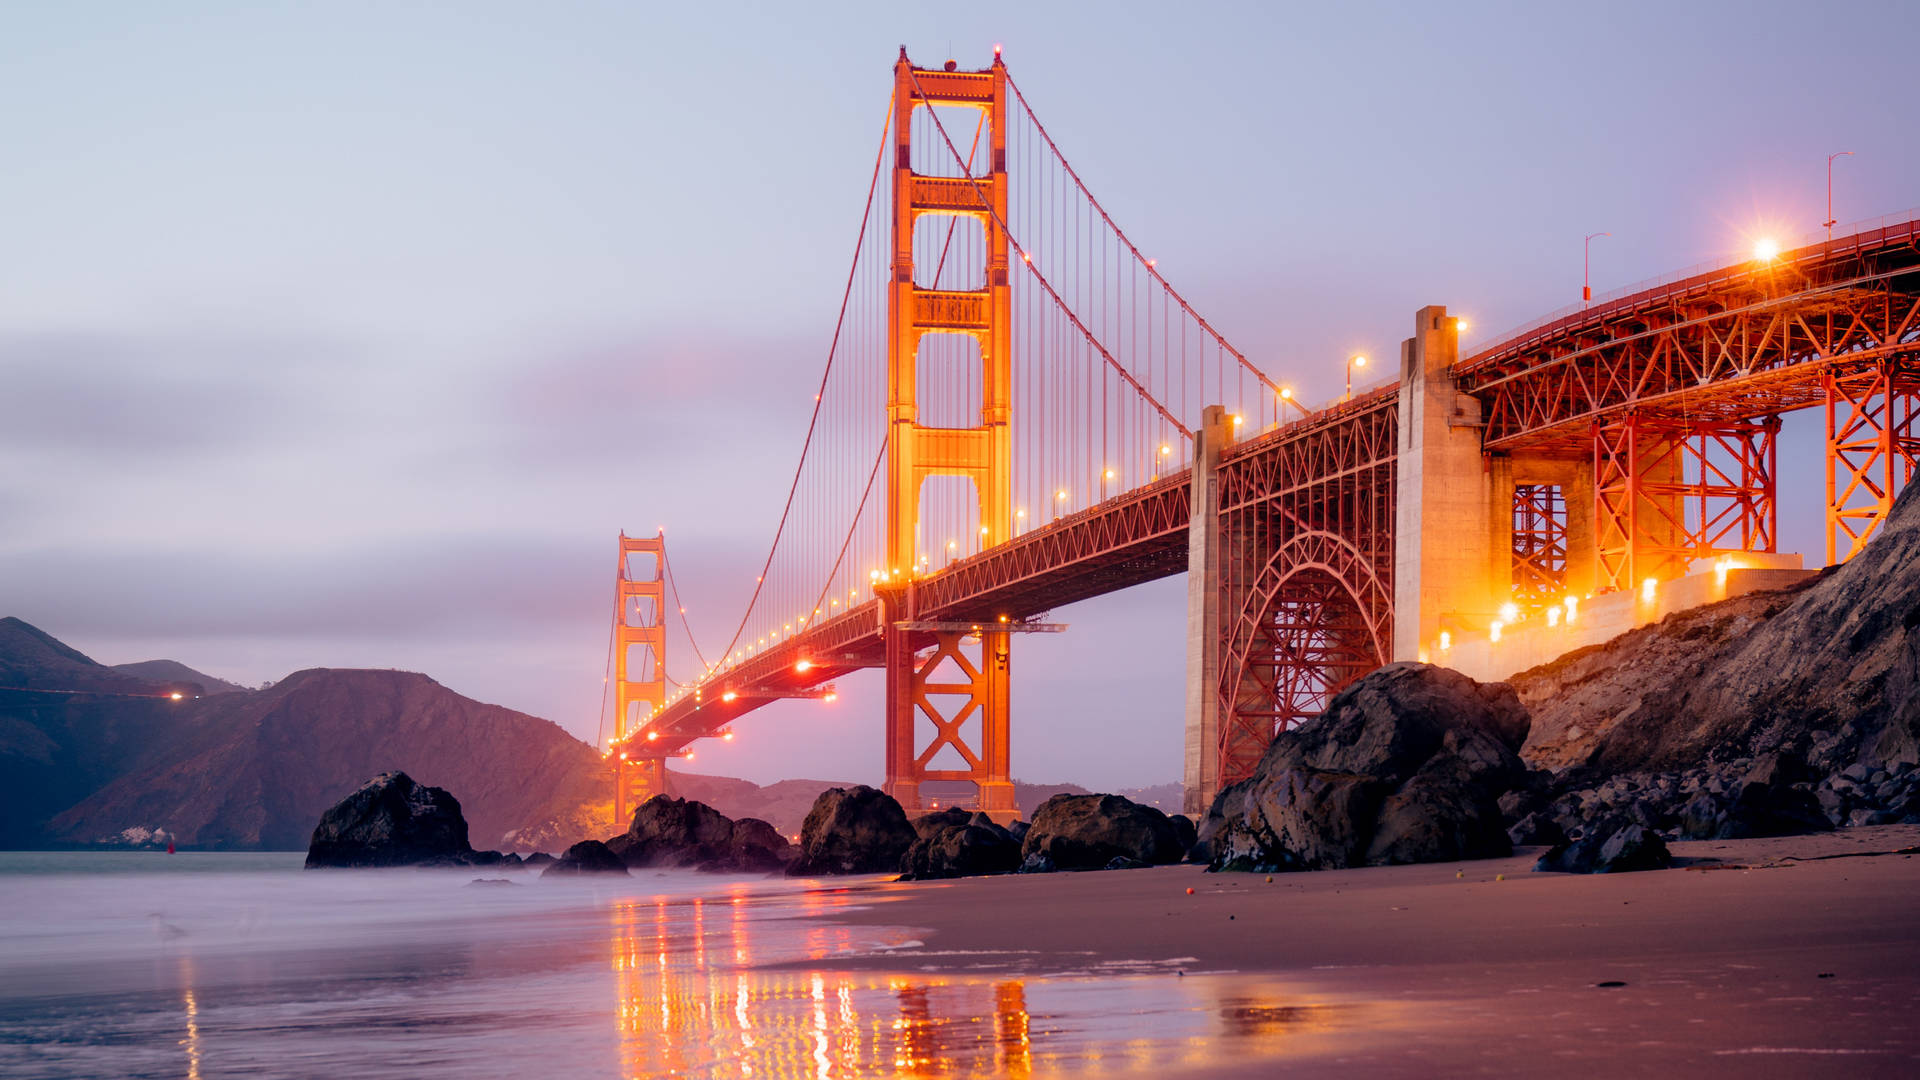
{"x":175,"y":671}
{"x":91,"y":755}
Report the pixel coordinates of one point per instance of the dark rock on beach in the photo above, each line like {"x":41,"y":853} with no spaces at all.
{"x":1086,"y":832}
{"x":1628,"y":849}
{"x":1406,"y":765}
{"x":959,"y":844}
{"x":392,"y":821}
{"x":672,"y":832}
{"x":856,"y":830}
{"x":586,"y":857}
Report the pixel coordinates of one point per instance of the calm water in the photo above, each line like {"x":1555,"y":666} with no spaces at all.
{"x":210,"y":965}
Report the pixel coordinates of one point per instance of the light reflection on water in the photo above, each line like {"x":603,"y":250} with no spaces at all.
{"x":263,"y":970}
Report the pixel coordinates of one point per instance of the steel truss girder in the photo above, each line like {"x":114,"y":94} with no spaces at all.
{"x":1872,"y":447}
{"x":1735,"y":344}
{"x":1539,"y":540}
{"x":1668,"y":491}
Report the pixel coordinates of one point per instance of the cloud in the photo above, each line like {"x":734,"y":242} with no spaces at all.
{"x":100,"y":395}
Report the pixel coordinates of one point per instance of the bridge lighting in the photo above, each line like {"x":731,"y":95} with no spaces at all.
{"x":1493,"y":632}
{"x":1573,"y":608}
{"x":983,"y":530}
{"x":830,"y":696}
{"x":1509,"y":612}
{"x":1766,"y":249}
{"x":1165,"y":449}
{"x":1150,"y":263}
{"x":1020,"y":514}
{"x":623,"y":755}
{"x":1238,"y":420}
{"x":652,"y":735}
{"x":1553,"y":615}
{"x":729,"y":696}
{"x":1446,"y":640}
{"x":803,"y":666}
{"x":1648,"y":588}
{"x":176,"y":695}
{"x":1059,"y":494}
{"x":727,"y":735}
{"x":951,"y":545}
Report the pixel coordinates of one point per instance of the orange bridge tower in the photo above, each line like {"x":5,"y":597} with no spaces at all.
{"x":639,"y":669}
{"x":952,"y":676}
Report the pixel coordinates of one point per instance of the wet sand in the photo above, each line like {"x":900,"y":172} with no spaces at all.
{"x":1793,"y":956}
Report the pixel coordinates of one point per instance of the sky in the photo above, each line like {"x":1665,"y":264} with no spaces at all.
{"x":352,"y":334}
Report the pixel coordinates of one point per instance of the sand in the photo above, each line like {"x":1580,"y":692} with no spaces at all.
{"x":1795,"y":956}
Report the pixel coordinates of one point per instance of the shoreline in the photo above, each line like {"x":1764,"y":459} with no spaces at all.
{"x":1778,"y":956}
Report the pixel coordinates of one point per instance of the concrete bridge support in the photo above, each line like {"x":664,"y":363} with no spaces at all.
{"x":1201,"y":777}
{"x":1446,"y":561}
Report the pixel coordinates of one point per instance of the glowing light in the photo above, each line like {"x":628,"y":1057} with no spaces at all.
{"x":729,"y":696}
{"x":1766,"y":249}
{"x":983,"y":530}
{"x":1648,"y":588}
{"x":1460,"y":325}
{"x":1059,"y":494}
{"x":1111,"y":474}
{"x":1021,"y":514}
{"x":804,"y":665}
{"x":623,"y":755}
{"x":1165,"y":450}
{"x":1150,"y":263}
{"x":1493,"y":631}
{"x":996,"y":50}
{"x":831,"y":697}
{"x":1720,"y":567}
{"x":1446,"y":641}
{"x":1238,"y":420}
{"x":1359,"y":361}
{"x":1003,"y":618}
{"x":1286,"y":393}
{"x":951,"y":545}
{"x":1024,"y":257}
{"x":1509,"y":612}
{"x":176,"y":695}
{"x":688,"y":755}
{"x":652,"y":735}
{"x":1553,"y":616}
{"x":727,"y":735}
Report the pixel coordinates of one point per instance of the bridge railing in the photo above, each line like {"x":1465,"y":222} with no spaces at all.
{"x":1702,"y":273}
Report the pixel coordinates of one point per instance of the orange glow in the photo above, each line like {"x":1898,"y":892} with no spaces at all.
{"x":1509,"y":612}
{"x":728,"y":696}
{"x":623,"y":755}
{"x":1286,"y":393}
{"x":804,"y":665}
{"x":177,"y":695}
{"x":1361,"y":361}
{"x":1573,"y":608}
{"x":1649,"y":588}
{"x":1111,"y":474}
{"x":831,"y":697}
{"x":1238,"y":420}
{"x":1493,"y":632}
{"x":728,"y":736}
{"x":1766,"y":249}
{"x":652,"y":735}
{"x":1446,"y":641}
{"x":1553,"y":616}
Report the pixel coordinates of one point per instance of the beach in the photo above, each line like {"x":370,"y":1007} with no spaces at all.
{"x":1784,"y":957}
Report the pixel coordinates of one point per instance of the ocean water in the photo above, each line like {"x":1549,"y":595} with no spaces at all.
{"x":193,"y":965}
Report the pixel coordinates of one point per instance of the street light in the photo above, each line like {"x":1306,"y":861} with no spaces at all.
{"x":1830,"y":157}
{"x":1586,"y":268}
{"x":1286,"y":395}
{"x":1354,"y":361}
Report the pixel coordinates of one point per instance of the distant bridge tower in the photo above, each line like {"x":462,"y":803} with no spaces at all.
{"x":957,"y":682}
{"x":639,"y":669}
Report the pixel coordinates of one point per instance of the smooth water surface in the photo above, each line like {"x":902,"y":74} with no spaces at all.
{"x":203,"y":965}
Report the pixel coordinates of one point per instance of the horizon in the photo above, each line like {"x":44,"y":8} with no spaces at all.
{"x":360,"y":369}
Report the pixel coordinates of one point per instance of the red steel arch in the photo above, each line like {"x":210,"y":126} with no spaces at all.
{"x":1317,"y":618}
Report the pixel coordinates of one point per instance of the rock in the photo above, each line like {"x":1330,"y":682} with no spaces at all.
{"x":538,"y":858}
{"x":671,"y":832}
{"x":856,"y":830}
{"x":391,"y":821}
{"x":757,"y":847}
{"x":1439,"y":815}
{"x":1406,"y":765}
{"x":586,"y":857}
{"x":1019,"y":830}
{"x":1535,"y":829}
{"x":1086,"y":832}
{"x":1625,"y":850}
{"x":952,"y":817}
{"x":1036,"y":863}
{"x":1184,"y":829}
{"x":1121,"y":862}
{"x":963,"y":850}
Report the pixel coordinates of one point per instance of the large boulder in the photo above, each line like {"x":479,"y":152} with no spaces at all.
{"x":1087,"y":832}
{"x":856,"y":830}
{"x":1406,"y":765}
{"x":666,"y":831}
{"x":672,"y":832}
{"x":391,"y":821}
{"x":586,"y":857}
{"x":1627,"y":849}
{"x":959,"y":845}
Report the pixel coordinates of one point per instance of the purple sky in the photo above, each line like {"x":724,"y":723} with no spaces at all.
{"x":351,"y":334}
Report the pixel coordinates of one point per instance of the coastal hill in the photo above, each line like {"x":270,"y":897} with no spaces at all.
{"x":92,"y":754}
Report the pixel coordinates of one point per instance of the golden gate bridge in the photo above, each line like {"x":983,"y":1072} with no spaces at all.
{"x":1018,"y":411}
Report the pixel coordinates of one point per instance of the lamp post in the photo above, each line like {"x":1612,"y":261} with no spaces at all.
{"x":1586,"y":268}
{"x":1830,"y":157}
{"x":1354,"y":361}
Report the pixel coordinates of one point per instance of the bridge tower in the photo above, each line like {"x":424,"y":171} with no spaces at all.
{"x":639,"y":669}
{"x":964,"y":677}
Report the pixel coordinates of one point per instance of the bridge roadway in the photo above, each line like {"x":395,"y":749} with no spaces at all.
{"x":1738,"y":342}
